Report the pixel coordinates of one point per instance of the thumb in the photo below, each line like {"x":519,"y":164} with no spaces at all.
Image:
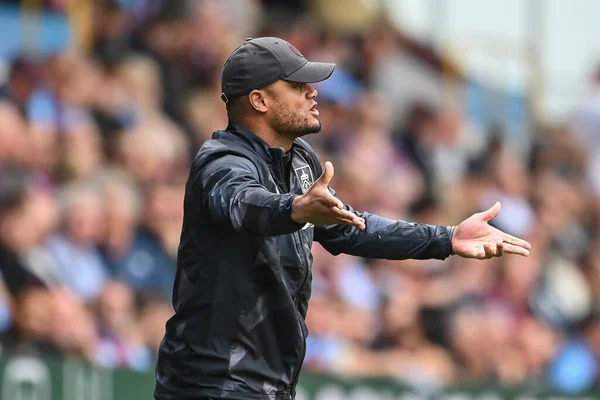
{"x":491,"y":212}
{"x":327,"y":174}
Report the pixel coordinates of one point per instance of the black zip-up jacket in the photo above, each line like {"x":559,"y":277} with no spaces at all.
{"x":244,"y":270}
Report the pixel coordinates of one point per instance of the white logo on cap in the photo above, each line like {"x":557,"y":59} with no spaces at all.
{"x":295,"y":50}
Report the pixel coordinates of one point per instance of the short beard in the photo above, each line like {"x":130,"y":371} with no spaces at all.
{"x":288,"y":123}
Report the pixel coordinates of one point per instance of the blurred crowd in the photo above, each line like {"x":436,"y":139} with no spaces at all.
{"x":95,"y":147}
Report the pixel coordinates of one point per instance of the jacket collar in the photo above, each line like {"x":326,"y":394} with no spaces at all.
{"x":259,"y":146}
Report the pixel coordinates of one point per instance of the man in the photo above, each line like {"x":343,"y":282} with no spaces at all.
{"x":256,"y":198}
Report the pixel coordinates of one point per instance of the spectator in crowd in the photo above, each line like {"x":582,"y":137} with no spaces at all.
{"x":75,"y":246}
{"x":31,"y":333}
{"x":120,"y":340}
{"x":73,"y":328}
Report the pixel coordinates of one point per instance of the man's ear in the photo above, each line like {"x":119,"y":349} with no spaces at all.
{"x":258,"y":100}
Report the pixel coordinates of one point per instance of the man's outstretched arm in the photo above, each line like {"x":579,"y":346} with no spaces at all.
{"x":387,"y":238}
{"x":398,"y":240}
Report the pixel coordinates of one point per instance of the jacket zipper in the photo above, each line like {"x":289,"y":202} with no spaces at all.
{"x":282,"y":177}
{"x":300,"y":251}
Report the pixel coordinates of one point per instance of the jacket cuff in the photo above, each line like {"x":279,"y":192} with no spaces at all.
{"x":290,"y":225}
{"x":450,"y":235}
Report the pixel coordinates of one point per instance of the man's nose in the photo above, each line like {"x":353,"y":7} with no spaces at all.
{"x":312,"y":92}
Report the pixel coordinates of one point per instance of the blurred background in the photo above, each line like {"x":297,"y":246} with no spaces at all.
{"x":437,"y":109}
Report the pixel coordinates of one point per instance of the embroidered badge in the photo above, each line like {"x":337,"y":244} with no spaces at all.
{"x":295,"y":50}
{"x":304,"y":175}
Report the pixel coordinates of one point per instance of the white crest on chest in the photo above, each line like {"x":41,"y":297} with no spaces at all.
{"x":305,"y":177}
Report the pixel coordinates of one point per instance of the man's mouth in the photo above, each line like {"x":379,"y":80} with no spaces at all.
{"x":314,"y":110}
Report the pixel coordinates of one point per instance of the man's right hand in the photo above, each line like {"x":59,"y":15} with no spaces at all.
{"x":319,"y":207}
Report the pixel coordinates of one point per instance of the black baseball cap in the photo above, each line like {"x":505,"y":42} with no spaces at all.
{"x":258,"y":62}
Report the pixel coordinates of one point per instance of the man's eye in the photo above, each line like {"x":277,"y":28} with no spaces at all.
{"x":300,"y":85}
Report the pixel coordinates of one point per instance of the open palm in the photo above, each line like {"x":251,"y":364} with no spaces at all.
{"x":475,"y":238}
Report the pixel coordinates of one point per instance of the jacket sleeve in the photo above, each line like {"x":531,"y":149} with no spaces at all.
{"x":386,"y":238}
{"x":231,"y":191}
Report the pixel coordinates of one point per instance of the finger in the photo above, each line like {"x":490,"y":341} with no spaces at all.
{"x":516,"y":241}
{"x":487,"y":250}
{"x":345,"y":221}
{"x":491,"y":212}
{"x":512,"y":249}
{"x":359,"y":224}
{"x":325,"y":178}
{"x":335,"y":202}
{"x":499,"y":249}
{"x":351,"y":219}
{"x":347,"y":215}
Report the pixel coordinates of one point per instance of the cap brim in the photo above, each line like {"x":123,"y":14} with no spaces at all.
{"x":311,"y":72}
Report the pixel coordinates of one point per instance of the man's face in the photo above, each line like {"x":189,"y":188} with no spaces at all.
{"x":293,"y":109}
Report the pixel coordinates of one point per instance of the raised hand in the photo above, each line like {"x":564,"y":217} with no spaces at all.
{"x":319,"y":207}
{"x":475,"y":238}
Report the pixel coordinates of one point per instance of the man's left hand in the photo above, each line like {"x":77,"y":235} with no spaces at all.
{"x":475,"y":238}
